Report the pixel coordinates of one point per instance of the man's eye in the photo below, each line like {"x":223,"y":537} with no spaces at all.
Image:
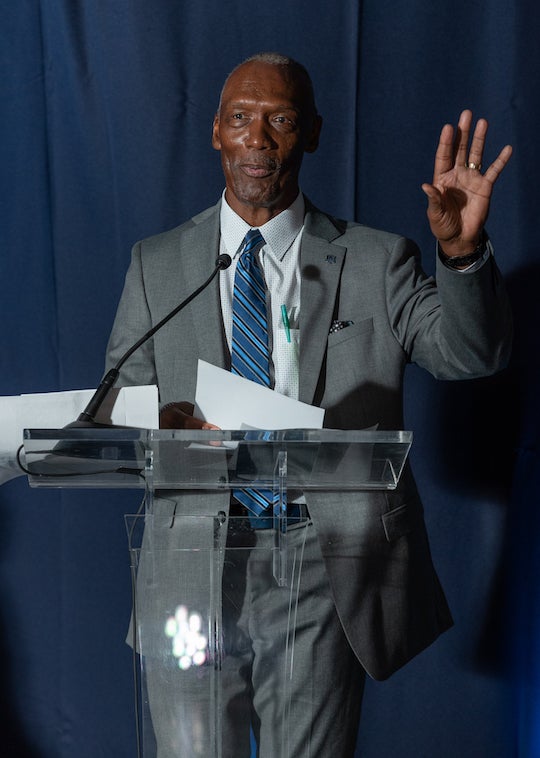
{"x":285,"y":120}
{"x":237,"y":119}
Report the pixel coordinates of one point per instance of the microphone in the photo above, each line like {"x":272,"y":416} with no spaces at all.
{"x":87,"y":417}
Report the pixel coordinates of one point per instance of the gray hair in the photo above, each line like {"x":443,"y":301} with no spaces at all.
{"x":296,"y":69}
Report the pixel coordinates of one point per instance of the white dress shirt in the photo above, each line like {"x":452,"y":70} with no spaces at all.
{"x":279,"y":259}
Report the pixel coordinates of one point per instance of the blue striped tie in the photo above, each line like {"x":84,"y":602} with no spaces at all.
{"x":250,"y":355}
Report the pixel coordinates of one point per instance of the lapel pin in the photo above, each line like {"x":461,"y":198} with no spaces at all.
{"x":330,"y":258}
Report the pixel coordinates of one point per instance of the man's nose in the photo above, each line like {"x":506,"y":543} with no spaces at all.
{"x":259,"y":135}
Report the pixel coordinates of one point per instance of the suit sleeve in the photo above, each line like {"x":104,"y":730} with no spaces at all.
{"x":457,"y":328}
{"x":131,"y":322}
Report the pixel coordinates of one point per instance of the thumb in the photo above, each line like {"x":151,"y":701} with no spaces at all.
{"x":435,"y":209}
{"x":432,"y":193}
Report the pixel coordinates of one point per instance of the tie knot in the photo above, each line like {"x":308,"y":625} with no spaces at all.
{"x":252,"y":240}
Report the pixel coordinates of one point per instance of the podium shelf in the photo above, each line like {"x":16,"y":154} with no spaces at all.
{"x":306,"y":459}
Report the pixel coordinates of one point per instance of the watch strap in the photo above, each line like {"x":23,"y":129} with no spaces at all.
{"x":457,"y":261}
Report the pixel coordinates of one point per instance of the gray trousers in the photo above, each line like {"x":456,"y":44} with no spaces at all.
{"x":297,"y":693}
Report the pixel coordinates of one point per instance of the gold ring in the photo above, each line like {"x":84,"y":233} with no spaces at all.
{"x":474,"y":166}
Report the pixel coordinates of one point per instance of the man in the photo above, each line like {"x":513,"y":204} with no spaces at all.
{"x":360,"y":309}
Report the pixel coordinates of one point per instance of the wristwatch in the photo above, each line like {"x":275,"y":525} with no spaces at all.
{"x":457,"y":261}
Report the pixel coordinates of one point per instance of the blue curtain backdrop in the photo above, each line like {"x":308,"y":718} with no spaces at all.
{"x":106,"y":110}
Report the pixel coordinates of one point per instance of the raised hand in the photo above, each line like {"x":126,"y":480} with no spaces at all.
{"x":460,"y":194}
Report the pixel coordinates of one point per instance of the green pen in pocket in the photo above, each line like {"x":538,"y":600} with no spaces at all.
{"x":286,"y":324}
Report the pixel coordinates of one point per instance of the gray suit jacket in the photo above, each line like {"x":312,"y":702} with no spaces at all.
{"x":374,"y":544}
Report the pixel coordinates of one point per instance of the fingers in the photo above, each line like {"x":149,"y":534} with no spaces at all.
{"x":454,"y":151}
{"x":474,"y":159}
{"x":444,"y":157}
{"x":192,"y":422}
{"x":493,"y":172}
{"x":463,"y":154}
{"x":180,"y":416}
{"x":478,"y":141}
{"x":211,"y":427}
{"x":462,"y":138}
{"x":453,"y":148}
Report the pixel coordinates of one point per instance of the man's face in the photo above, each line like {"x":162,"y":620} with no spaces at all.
{"x":263,"y":127}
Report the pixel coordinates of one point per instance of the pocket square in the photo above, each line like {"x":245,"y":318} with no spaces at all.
{"x":339,"y":325}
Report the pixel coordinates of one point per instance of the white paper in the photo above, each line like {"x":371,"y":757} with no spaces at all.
{"x":125,"y":406}
{"x":231,"y":402}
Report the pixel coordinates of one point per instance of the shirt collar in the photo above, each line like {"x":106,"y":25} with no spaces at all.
{"x":279,"y":233}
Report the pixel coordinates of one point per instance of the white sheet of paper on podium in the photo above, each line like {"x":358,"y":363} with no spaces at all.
{"x":125,"y":406}
{"x":231,"y":402}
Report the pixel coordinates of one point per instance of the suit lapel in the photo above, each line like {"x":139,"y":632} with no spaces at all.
{"x":321,"y":264}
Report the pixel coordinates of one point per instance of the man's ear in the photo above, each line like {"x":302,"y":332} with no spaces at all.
{"x":216,"y":142}
{"x":313,"y":140}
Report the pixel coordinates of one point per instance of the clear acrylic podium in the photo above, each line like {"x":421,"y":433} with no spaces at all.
{"x":191,"y":562}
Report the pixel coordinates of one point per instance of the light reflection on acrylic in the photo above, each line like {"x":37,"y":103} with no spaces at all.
{"x":189,"y":645}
